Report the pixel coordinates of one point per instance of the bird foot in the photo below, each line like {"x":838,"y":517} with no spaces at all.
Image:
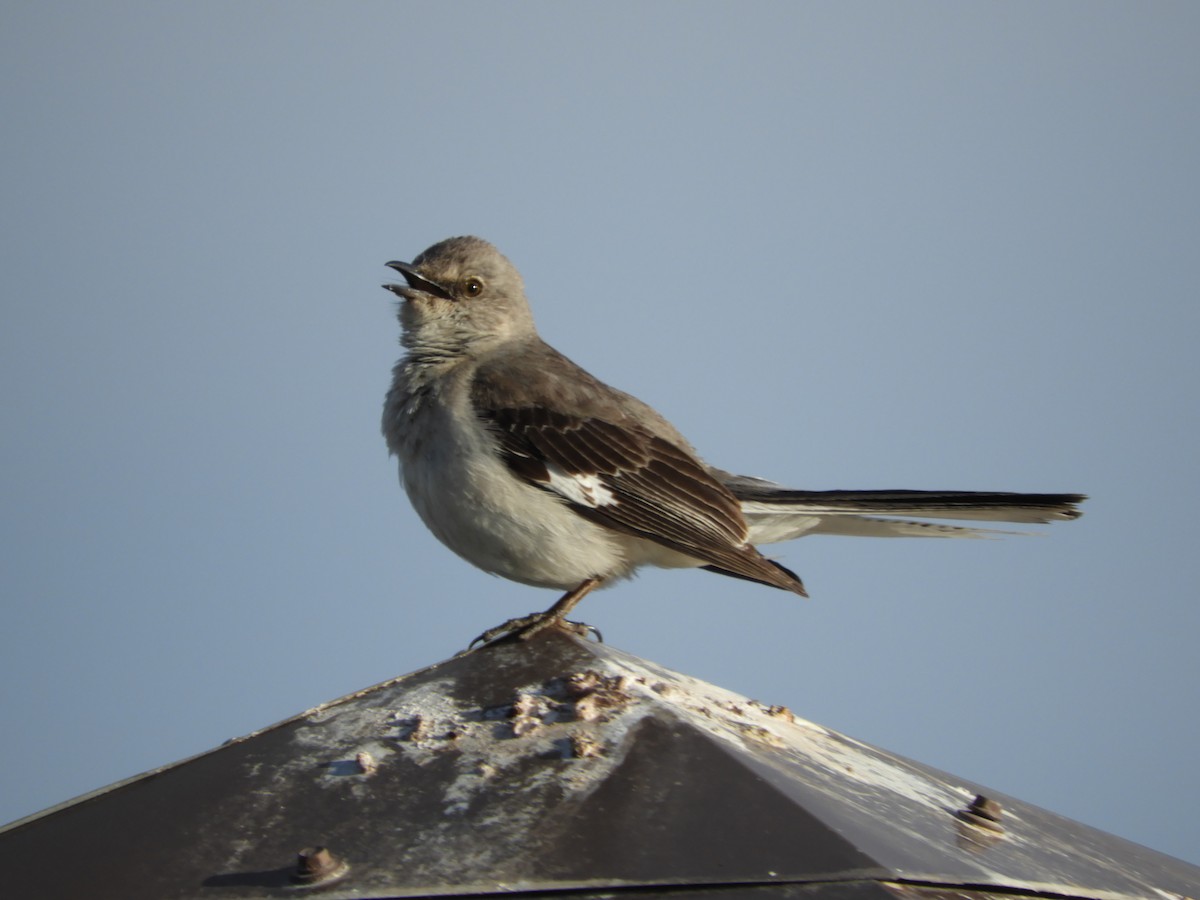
{"x":525,"y":627}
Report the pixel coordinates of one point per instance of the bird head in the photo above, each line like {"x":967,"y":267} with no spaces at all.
{"x":460,"y":294}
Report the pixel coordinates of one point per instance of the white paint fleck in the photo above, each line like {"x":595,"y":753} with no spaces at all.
{"x":366,"y":762}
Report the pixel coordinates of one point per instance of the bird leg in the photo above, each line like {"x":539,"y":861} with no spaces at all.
{"x":525,"y":627}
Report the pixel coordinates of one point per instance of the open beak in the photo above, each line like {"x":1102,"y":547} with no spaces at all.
{"x":416,"y":283}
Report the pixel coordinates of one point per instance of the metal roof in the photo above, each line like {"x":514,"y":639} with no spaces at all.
{"x":562,"y":765}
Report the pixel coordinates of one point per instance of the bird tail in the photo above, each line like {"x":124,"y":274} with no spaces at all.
{"x":775,"y":513}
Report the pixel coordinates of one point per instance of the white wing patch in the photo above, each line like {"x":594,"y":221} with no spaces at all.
{"x":586,"y":489}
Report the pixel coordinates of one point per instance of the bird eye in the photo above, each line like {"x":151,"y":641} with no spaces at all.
{"x":473,"y":287}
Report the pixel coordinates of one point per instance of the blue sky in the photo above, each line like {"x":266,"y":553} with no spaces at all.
{"x":931,"y":245}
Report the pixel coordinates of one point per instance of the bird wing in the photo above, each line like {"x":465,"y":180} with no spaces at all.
{"x":612,"y":470}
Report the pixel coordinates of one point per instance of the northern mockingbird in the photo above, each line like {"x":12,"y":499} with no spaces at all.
{"x":527,"y":466}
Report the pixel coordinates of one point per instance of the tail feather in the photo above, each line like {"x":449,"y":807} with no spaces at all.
{"x":776,"y":513}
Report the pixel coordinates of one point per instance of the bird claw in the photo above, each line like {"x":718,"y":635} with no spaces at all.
{"x":581,"y":629}
{"x":525,"y":627}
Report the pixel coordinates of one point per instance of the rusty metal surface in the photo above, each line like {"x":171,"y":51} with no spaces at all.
{"x":562,"y":765}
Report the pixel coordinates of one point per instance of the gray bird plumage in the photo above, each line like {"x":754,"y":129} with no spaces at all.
{"x":530,"y":468}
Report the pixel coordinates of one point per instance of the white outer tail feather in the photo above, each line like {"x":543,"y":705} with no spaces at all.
{"x":772,"y":526}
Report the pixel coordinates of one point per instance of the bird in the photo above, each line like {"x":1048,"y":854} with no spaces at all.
{"x":530,"y":468}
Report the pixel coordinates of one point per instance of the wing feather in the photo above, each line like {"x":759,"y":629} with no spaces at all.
{"x":660,"y":492}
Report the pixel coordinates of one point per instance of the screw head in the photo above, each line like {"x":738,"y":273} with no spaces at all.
{"x":983,"y":812}
{"x":316,"y":865}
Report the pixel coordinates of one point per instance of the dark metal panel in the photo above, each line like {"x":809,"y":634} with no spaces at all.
{"x":915,"y":822}
{"x":679,"y":809}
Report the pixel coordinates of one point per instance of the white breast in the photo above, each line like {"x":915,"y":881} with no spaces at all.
{"x":475,"y":506}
